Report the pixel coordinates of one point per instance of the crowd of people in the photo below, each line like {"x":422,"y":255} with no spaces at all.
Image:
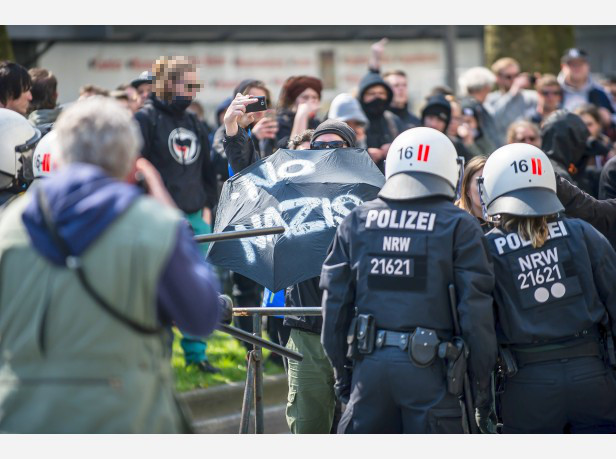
{"x":85,"y":215}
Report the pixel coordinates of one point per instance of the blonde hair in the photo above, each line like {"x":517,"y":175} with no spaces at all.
{"x":166,"y":71}
{"x":504,"y":62}
{"x":533,"y":229}
{"x":521,"y":123}
{"x":471,"y":168}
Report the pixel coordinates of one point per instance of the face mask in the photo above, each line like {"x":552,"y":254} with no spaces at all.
{"x":375,"y":108}
{"x":180,"y":103}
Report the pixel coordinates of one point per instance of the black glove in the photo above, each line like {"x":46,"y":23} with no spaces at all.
{"x":226,"y":309}
{"x":343,"y":392}
{"x":486,"y":419}
{"x":342,"y":386}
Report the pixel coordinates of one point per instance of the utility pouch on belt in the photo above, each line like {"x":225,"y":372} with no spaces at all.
{"x":507,"y":362}
{"x":455,"y":354}
{"x":352,"y":352}
{"x":424,"y":347}
{"x":365,"y":333}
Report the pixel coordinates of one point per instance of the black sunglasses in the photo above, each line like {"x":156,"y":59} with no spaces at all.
{"x":327,"y":145}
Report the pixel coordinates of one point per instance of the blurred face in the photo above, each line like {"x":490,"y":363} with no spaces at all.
{"x":473,"y":194}
{"x":399,"y":86}
{"x":187,"y":86}
{"x":134,"y":101}
{"x":308,"y":95}
{"x":359,"y":128}
{"x":550,"y":97}
{"x":373,"y":93}
{"x":576,"y":71}
{"x":505,"y":77}
{"x":257,"y":92}
{"x":524,"y":134}
{"x":470,"y":121}
{"x":456,"y":119}
{"x":144,"y":90}
{"x":434,"y":122}
{"x":591,"y":124}
{"x":21,"y":104}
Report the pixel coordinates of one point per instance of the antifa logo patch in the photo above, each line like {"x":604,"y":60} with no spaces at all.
{"x":184,"y":146}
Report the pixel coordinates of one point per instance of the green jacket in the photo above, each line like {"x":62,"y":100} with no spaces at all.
{"x":66,"y":365}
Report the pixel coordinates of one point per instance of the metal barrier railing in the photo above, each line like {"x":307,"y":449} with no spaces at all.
{"x":253,"y":391}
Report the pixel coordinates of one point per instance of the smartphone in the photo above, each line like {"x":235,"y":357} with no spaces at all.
{"x":257,"y":106}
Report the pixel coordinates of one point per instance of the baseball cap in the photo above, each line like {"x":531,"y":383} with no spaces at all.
{"x":574,"y":53}
{"x":144,"y":77}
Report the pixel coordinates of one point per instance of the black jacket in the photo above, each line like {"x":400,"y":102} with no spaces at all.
{"x":285,"y":126}
{"x":552,"y":293}
{"x":175,"y":142}
{"x":242,"y":150}
{"x":600,"y":214}
{"x":305,"y":294}
{"x":408,"y":119}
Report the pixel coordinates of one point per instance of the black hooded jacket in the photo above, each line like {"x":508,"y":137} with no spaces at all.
{"x":383,"y":128}
{"x":563,"y":139}
{"x":176,"y":143}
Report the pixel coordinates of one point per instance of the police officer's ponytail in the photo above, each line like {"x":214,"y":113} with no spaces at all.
{"x":533,"y":229}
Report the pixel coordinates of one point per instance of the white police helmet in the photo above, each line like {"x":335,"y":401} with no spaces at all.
{"x":421,"y":162}
{"x":518,"y":179}
{"x":17,"y":137}
{"x":45,"y":158}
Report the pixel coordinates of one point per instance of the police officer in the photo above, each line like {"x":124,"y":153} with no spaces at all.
{"x":17,"y":142}
{"x":386,"y":281}
{"x":555,"y":301}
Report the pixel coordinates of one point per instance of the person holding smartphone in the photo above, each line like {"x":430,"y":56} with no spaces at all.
{"x":249,"y":130}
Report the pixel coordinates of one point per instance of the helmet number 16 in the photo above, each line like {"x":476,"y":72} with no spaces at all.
{"x":522,"y":166}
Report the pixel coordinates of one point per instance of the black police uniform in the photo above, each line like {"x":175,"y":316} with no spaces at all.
{"x":551,"y":302}
{"x":395,"y":260}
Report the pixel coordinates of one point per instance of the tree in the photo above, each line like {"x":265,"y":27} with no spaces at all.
{"x":536,"y":48}
{"x":6,"y":49}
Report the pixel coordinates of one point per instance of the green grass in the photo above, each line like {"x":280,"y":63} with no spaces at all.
{"x":224,"y":352}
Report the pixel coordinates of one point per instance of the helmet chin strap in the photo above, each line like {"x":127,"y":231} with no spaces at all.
{"x":484,"y":207}
{"x":460,"y":161}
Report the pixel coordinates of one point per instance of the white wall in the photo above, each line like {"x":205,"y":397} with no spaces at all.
{"x":223,"y":65}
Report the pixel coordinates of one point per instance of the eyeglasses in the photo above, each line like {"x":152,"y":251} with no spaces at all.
{"x":528,"y":139}
{"x":546,"y":93}
{"x":327,"y":145}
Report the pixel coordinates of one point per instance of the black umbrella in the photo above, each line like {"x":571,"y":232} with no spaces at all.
{"x":308,"y":192}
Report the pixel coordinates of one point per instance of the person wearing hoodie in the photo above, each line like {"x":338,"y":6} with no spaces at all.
{"x":374,"y":97}
{"x":565,"y":139}
{"x":436,"y":114}
{"x":311,"y":406}
{"x":44,"y":109}
{"x":176,"y":143}
{"x":93,"y":276}
{"x":578,"y":86}
{"x":346,"y":108}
